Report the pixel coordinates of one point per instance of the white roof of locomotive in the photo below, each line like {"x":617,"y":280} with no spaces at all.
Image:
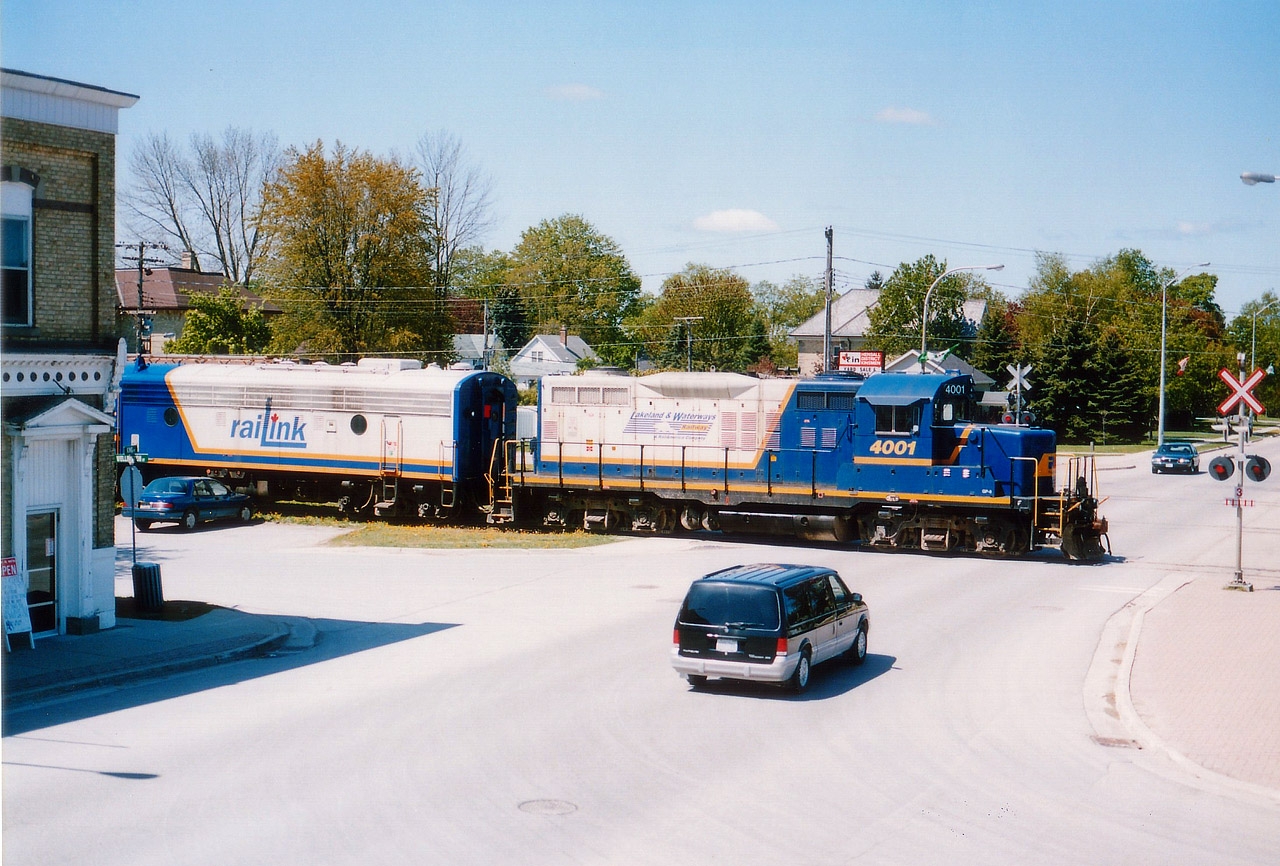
{"x":383,"y":374}
{"x":677,"y":385}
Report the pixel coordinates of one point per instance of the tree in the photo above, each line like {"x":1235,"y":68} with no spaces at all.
{"x":1256,"y":332}
{"x":728,"y":334}
{"x":996,"y":344}
{"x":348,"y":256}
{"x":783,"y":308}
{"x":894,"y":322}
{"x":222,"y":324}
{"x":204,"y":200}
{"x":460,"y":209}
{"x":483,"y":275}
{"x":569,"y":274}
{"x":1114,"y":308}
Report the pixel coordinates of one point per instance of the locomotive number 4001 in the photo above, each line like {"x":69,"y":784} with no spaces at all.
{"x":893,"y":447}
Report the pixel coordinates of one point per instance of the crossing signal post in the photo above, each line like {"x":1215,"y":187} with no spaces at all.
{"x":1251,"y":466}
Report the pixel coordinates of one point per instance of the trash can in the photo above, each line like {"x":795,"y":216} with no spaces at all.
{"x":147,"y":591}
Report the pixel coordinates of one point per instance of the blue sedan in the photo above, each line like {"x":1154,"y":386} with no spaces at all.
{"x":187,"y":501}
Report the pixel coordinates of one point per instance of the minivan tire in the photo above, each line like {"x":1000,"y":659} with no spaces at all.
{"x":800,"y":679}
{"x":857,"y":653}
{"x":697,"y":681}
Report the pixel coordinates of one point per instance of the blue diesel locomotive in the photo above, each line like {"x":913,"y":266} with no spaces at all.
{"x":895,"y":460}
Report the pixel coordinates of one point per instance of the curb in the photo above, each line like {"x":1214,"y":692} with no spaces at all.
{"x":206,"y":655}
{"x":1109,"y":702}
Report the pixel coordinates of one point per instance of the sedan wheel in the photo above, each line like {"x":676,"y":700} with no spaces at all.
{"x":189,"y":520}
{"x":144,"y":525}
{"x":246,"y":513}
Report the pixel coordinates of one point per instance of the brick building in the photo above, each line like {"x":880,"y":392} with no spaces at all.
{"x":60,"y":357}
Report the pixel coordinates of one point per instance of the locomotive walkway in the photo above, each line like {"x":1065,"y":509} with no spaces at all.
{"x":1185,"y":670}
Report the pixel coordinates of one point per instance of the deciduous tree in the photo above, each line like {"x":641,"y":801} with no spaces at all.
{"x":205,"y":198}
{"x":349,"y":258}
{"x":570,"y":274}
{"x":222,"y":324}
{"x":723,"y":331}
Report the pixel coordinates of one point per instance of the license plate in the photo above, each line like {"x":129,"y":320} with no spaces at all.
{"x":726,"y":645}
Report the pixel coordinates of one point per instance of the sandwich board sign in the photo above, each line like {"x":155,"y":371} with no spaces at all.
{"x":17,"y":616}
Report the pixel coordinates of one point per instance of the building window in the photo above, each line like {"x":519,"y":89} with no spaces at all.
{"x":15,"y":249}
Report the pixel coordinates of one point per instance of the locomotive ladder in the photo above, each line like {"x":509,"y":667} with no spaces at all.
{"x":501,"y":485}
{"x":389,"y":465}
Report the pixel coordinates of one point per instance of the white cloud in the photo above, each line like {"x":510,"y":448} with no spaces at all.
{"x":735,"y":220}
{"x":575,"y":93}
{"x":909,"y":116}
{"x":1190,"y":229}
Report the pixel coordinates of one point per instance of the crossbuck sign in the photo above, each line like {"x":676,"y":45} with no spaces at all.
{"x":1241,"y":391}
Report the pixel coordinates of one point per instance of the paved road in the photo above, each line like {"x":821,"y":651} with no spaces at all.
{"x":517,"y":707}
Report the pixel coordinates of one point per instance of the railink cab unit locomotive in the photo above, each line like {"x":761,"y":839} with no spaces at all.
{"x":383,"y":434}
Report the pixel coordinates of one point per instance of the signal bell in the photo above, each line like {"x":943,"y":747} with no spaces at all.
{"x":1257,"y":468}
{"x":1222,"y":468}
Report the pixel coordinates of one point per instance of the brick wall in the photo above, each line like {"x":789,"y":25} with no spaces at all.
{"x":73,"y":231}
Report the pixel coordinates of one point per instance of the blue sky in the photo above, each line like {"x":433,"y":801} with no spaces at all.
{"x":732,"y":134}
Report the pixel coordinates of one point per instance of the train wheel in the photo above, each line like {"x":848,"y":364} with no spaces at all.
{"x":666,"y":521}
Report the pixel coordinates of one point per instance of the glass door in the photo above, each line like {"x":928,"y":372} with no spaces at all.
{"x":42,"y":571}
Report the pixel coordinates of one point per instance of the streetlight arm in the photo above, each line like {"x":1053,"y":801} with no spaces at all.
{"x":924,"y":311}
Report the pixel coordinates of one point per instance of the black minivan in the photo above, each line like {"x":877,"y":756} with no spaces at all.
{"x":768,"y":623}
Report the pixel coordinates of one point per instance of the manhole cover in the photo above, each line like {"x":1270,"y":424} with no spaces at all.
{"x":548,"y":807}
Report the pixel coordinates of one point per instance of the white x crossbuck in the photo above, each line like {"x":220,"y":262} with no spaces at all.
{"x":1241,"y":391}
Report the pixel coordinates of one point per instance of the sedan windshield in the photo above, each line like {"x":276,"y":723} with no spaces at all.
{"x":731,"y":604}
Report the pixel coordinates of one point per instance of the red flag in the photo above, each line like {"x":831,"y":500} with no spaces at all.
{"x":1182,"y":365}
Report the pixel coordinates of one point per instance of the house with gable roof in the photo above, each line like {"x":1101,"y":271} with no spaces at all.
{"x":548,"y":355}
{"x":850,"y":319}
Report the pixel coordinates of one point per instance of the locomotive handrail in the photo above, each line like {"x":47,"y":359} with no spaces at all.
{"x":1035,"y":491}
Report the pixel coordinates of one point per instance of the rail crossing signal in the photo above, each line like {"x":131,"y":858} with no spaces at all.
{"x":1242,"y":390}
{"x":1251,"y":465}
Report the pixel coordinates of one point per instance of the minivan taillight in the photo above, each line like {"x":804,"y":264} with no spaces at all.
{"x":782,"y":647}
{"x":675,"y":636}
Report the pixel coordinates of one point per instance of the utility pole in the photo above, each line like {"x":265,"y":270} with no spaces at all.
{"x":142,"y":260}
{"x":826,"y":333}
{"x":688,"y":324}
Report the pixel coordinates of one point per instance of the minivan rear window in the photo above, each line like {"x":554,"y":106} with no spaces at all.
{"x":739,"y":605}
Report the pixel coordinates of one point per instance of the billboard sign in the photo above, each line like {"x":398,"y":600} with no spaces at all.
{"x":864,"y":362}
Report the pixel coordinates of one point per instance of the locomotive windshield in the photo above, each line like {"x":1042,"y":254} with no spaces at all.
{"x":954,"y":404}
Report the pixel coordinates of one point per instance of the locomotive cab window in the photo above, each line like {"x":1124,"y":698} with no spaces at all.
{"x":897,"y":420}
{"x":953,"y":410}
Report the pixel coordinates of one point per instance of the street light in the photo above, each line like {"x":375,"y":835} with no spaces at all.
{"x":1164,"y":315}
{"x":924,"y":312}
{"x":1253,"y":178}
{"x":1253,"y":341}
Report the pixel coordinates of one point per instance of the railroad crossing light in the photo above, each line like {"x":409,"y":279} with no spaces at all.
{"x":1221,"y":468}
{"x":1257,"y":468}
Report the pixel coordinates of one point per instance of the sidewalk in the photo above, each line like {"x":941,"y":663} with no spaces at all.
{"x":1205,"y":677}
{"x":142,"y":648}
